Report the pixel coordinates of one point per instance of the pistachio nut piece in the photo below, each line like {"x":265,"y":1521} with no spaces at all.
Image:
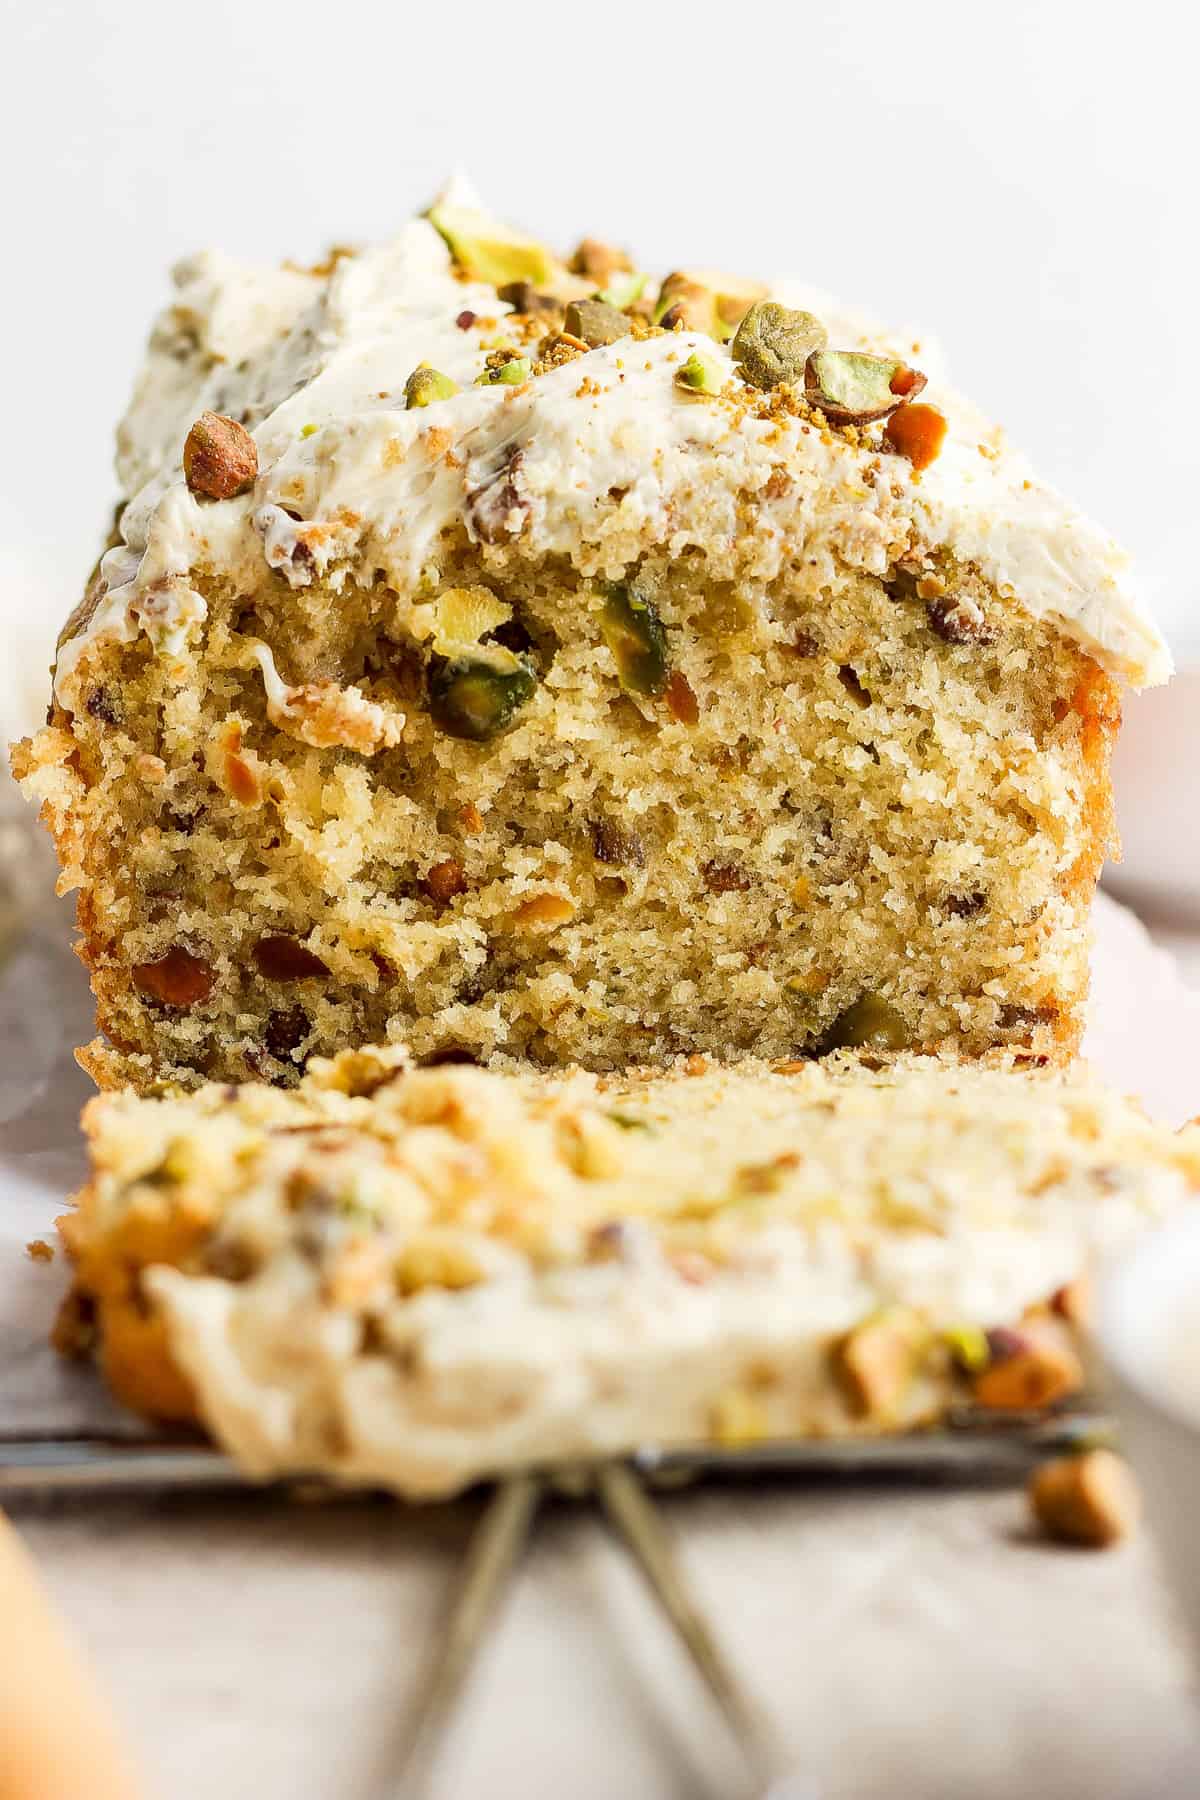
{"x":734,"y":296}
{"x":425,"y":385}
{"x":478,"y":696}
{"x":773,"y":344}
{"x":870,"y":1024}
{"x":622,"y":290}
{"x":595,"y":322}
{"x":598,"y":260}
{"x":852,"y":388}
{"x":523,"y":297}
{"x":875,"y":1363}
{"x":634,"y":633}
{"x":509,"y":373}
{"x":491,"y":251}
{"x":686,"y":302}
{"x":701,"y":374}
{"x":968,"y":1347}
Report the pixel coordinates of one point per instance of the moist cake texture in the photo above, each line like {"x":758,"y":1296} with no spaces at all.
{"x":533,"y":662}
{"x":417,"y":1277}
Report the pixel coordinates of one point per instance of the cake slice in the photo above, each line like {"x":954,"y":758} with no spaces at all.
{"x":529,"y":660}
{"x":418,"y":1277}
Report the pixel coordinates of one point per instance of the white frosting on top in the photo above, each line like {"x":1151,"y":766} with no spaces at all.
{"x":594,"y":1361}
{"x":615,"y":459}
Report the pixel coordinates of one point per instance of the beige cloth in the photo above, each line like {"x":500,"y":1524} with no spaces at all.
{"x":913,"y":1645}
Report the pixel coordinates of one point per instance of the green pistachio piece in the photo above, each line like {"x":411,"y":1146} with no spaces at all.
{"x":634,"y":633}
{"x":629,"y":1122}
{"x":595,"y":322}
{"x":491,"y":251}
{"x":870,"y":1024}
{"x":877,"y":1361}
{"x":426,"y":385}
{"x":510,"y":373}
{"x":464,"y":615}
{"x":968,"y":1345}
{"x":773,"y":343}
{"x":705,"y":300}
{"x":523,"y":297}
{"x":852,"y":388}
{"x":701,"y":374}
{"x":735,"y":297}
{"x":622,"y":290}
{"x":682,"y":301}
{"x":598,"y":260}
{"x":478,"y":696}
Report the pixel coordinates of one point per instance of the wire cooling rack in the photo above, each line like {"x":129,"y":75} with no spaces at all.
{"x":966,"y":1451}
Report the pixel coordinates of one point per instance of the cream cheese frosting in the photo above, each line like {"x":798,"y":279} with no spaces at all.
{"x":614,"y":459}
{"x":455,"y":1272}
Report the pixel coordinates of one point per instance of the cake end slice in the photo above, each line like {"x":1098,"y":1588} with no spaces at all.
{"x":417,"y":1278}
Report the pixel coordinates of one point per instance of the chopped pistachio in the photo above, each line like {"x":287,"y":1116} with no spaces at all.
{"x":870,"y":1024}
{"x":734,"y":296}
{"x":968,"y":1345}
{"x":425,"y":385}
{"x":634,"y":633}
{"x":464,"y":615}
{"x":737,"y":1417}
{"x":478,"y":696}
{"x":597,"y":259}
{"x":701,"y":374}
{"x":629,"y":1121}
{"x":1091,"y":1499}
{"x":523,"y":297}
{"x":705,"y":300}
{"x":773,"y":343}
{"x":509,"y":373}
{"x":1038,"y":1371}
{"x":622,"y":290}
{"x":852,"y":388}
{"x":489,"y":250}
{"x":683,"y":301}
{"x":595,"y":322}
{"x":877,"y":1361}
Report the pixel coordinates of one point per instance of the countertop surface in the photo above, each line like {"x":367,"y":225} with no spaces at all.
{"x":907,"y":1641}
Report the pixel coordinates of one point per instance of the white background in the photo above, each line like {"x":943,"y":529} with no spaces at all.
{"x":1017,"y":177}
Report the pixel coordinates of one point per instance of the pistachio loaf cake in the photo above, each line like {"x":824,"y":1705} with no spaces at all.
{"x":420,"y":1276}
{"x":531,"y":661}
